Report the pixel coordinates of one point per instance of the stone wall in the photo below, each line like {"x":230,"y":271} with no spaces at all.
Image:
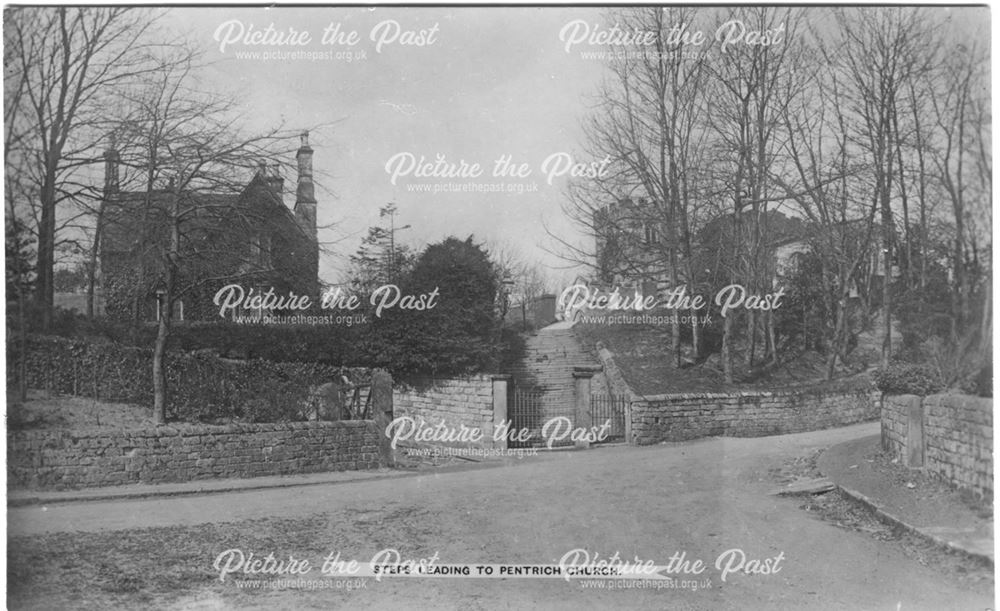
{"x":950,"y":435}
{"x":683,"y":416}
{"x":57,"y":459}
{"x":472,"y":402}
{"x":895,"y":416}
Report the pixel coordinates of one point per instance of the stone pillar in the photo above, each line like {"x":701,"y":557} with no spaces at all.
{"x":914,"y":455}
{"x":581,"y":398}
{"x":628,"y":422}
{"x":500,"y":385}
{"x":382,"y":413}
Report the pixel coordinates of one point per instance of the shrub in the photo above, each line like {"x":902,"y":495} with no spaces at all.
{"x":982,"y":384}
{"x":907,"y":379}
{"x":201,"y":387}
{"x":459,"y":335}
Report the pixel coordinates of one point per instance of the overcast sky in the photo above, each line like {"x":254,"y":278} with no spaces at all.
{"x":491,"y":82}
{"x":485,"y":83}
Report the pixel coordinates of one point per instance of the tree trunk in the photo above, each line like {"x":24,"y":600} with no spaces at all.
{"x":675,"y":326}
{"x":908,"y":259}
{"x":92,"y":263}
{"x":44,"y":290}
{"x":159,"y":354}
{"x":22,"y":333}
{"x":887,"y":302}
{"x":885,"y":177}
{"x":772,"y":343}
{"x":727,"y":349}
{"x":166,"y":313}
{"x":838,"y":333}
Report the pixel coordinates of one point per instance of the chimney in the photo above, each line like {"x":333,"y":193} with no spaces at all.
{"x":305,"y":193}
{"x":111,"y":160}
{"x":270,"y":176}
{"x":305,"y":197}
{"x":305,"y":216}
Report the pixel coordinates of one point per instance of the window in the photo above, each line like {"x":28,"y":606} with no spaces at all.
{"x":260,"y":251}
{"x":178,"y":313}
{"x":650,"y":235}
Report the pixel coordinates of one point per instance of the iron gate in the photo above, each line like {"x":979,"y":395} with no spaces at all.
{"x":609,"y":407}
{"x":528,"y":409}
{"x":524,"y":409}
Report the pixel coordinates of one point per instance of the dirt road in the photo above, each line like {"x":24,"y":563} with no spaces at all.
{"x":698,"y":498}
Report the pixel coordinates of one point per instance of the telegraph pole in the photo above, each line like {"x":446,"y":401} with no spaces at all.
{"x":390,"y":211}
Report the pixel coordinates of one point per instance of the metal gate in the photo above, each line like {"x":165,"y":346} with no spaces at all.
{"x":609,"y":407}
{"x":528,"y":410}
{"x":524,"y":409}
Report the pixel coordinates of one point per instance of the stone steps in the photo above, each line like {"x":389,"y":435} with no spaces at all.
{"x":549,"y":360}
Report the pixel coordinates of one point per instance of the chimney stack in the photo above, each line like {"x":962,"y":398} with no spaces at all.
{"x":305,"y":213}
{"x":111,"y":160}
{"x":305,"y":196}
{"x":305,"y":193}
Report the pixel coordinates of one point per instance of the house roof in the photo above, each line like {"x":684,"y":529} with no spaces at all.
{"x":781,"y":229}
{"x":128,"y":213}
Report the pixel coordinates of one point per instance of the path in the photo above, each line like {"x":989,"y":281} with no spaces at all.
{"x":701,"y":498}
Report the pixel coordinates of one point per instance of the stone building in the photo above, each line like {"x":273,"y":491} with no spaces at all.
{"x":631,"y":249}
{"x":246,"y":236}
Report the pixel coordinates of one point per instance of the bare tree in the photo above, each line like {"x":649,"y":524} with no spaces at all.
{"x":960,"y":154}
{"x":752,"y":87}
{"x":648,"y":124}
{"x":65,"y":61}
{"x":191,"y":233}
{"x":880,"y":54}
{"x":824,"y":183}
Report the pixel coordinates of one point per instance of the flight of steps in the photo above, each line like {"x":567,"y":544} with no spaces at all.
{"x":550,"y":356}
{"x":549,"y":359}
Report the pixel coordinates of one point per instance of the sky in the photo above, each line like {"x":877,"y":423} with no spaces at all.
{"x":485,"y":84}
{"x":468,"y":85}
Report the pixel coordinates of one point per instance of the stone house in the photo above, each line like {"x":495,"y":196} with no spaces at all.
{"x":247,"y":236}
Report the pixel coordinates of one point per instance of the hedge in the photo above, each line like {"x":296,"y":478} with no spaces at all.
{"x":907,"y":379}
{"x":201,"y":387}
{"x":390,"y":343}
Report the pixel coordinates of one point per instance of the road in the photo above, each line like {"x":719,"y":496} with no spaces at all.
{"x":698,"y":498}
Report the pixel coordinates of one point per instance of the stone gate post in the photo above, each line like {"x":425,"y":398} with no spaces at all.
{"x":501,"y":384}
{"x":382,"y":412}
{"x":914,"y":456}
{"x":581,"y":398}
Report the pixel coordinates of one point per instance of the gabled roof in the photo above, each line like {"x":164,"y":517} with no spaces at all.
{"x":128,"y":213}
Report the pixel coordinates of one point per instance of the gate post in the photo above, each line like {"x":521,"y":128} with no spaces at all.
{"x":914,"y":456}
{"x":581,"y":396}
{"x":382,"y":413}
{"x":500,"y":385}
{"x":628,"y":419}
